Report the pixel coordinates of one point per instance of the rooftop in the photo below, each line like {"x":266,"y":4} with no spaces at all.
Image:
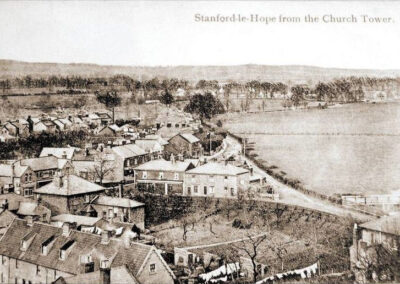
{"x":117,"y":202}
{"x":385,"y":224}
{"x":80,"y":220}
{"x":163,"y":165}
{"x":71,"y":185}
{"x":128,"y":151}
{"x":84,"y":244}
{"x":42,"y":163}
{"x":218,"y":169}
{"x":59,"y":152}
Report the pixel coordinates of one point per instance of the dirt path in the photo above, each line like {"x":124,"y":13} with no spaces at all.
{"x":291,"y":196}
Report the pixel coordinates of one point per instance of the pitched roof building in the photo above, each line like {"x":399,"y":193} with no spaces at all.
{"x":66,"y":194}
{"x":42,"y":253}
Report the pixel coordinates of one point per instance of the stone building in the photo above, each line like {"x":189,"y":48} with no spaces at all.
{"x":39,"y":253}
{"x":216,"y":180}
{"x":162,"y":177}
{"x":67,"y":194}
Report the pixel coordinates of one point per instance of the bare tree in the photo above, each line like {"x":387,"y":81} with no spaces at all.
{"x":101,"y":169}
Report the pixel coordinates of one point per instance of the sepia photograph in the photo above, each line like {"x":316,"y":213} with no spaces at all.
{"x":199,"y":142}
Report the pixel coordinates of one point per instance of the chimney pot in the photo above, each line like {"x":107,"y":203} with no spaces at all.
{"x":29,"y":220}
{"x":66,"y":229}
{"x":105,"y":237}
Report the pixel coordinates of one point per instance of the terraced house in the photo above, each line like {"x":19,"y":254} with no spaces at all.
{"x":40,"y":253}
{"x":17,"y":178}
{"x":216,"y":180}
{"x":162,"y":177}
{"x":45,"y":168}
{"x":127,"y":157}
{"x":67,"y":194}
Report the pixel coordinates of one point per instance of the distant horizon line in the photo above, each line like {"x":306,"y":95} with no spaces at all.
{"x":198,"y":65}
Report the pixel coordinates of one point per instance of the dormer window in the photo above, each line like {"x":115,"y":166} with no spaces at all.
{"x":105,"y":263}
{"x":65,"y":249}
{"x":27,"y":240}
{"x":47,"y":244}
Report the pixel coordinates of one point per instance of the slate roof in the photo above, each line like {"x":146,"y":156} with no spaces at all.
{"x":80,"y":220}
{"x":117,"y":202}
{"x":149,"y":145}
{"x":6,"y":170}
{"x":72,"y":185}
{"x":385,"y":224}
{"x":32,"y":209}
{"x":189,"y":137}
{"x":41,"y":163}
{"x":163,"y":165}
{"x":128,"y":151}
{"x":218,"y":169}
{"x":85,"y":244}
{"x":58,"y":152}
{"x":6,"y":218}
{"x":13,"y":200}
{"x":157,"y":138}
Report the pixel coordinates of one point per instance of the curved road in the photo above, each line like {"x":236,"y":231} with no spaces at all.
{"x":291,"y":196}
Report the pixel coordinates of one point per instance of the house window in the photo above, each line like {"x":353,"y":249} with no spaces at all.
{"x":226,"y":179}
{"x":232,"y":191}
{"x":226,"y":188}
{"x":144,"y":175}
{"x":16,"y":263}
{"x":205,"y":190}
{"x":28,"y":192}
{"x":37,"y":269}
{"x":177,"y":125}
{"x":3,"y":259}
{"x":161,"y":175}
{"x":176,"y":176}
{"x":196,"y":189}
{"x":104,"y":213}
{"x":152,"y":268}
{"x":168,"y":125}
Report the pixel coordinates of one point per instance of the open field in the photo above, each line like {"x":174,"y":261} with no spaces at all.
{"x":12,"y":107}
{"x":354,"y":148}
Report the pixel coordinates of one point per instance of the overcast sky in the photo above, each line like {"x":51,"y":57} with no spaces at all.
{"x":166,"y":33}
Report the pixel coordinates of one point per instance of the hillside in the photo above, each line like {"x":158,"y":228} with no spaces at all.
{"x":293,"y":73}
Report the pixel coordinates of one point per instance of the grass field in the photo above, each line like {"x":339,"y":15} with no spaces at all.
{"x":354,"y":148}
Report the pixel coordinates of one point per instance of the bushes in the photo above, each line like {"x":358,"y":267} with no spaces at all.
{"x":32,"y":145}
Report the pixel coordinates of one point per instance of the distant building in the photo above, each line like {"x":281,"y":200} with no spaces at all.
{"x":40,"y":253}
{"x":118,"y":209}
{"x":375,"y":245}
{"x":59,"y":152}
{"x":17,"y":178}
{"x":67,"y":194}
{"x":162,"y":177}
{"x":109,"y":130}
{"x":186,"y":144}
{"x":46,"y":167}
{"x":216,"y":180}
{"x":14,"y":128}
{"x":127,"y":157}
